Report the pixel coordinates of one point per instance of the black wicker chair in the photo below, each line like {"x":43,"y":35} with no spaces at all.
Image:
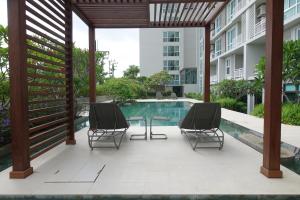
{"x":107,"y":125}
{"x":201,"y":125}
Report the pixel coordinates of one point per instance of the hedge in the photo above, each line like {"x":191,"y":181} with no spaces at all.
{"x":290,"y":113}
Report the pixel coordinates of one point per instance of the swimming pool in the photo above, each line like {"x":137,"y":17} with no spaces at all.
{"x":175,"y":111}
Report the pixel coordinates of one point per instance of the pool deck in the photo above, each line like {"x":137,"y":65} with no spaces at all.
{"x":149,"y":167}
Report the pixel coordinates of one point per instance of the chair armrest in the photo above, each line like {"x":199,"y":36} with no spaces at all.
{"x":161,"y":118}
{"x":136,"y":118}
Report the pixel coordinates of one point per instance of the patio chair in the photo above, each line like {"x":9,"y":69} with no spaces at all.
{"x":107,"y":123}
{"x":201,"y":125}
{"x":159,"y":95}
{"x":173,"y":95}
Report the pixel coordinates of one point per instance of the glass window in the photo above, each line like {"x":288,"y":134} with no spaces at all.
{"x":171,"y":50}
{"x":171,"y":36}
{"x":228,"y":66}
{"x":175,"y":80}
{"x":298,"y":34}
{"x":171,"y":65}
{"x":218,"y":47}
{"x":231,"y":38}
{"x":291,"y":8}
{"x":231,"y":9}
{"x":218,"y":24}
{"x":189,"y":76}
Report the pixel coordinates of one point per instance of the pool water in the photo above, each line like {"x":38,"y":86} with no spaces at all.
{"x":175,"y":111}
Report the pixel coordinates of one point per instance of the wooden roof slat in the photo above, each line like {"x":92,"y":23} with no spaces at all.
{"x":188,"y":11}
{"x":194,"y":9}
{"x":166,"y":13}
{"x":171,"y":14}
{"x":146,"y":13}
{"x":208,"y":12}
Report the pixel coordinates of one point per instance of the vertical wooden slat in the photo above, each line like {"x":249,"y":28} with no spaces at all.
{"x":207,"y":65}
{"x":18,"y":89}
{"x":69,"y":72}
{"x":92,"y":65}
{"x":273,"y":88}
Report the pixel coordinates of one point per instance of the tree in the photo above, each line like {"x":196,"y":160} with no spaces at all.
{"x":122,"y":89}
{"x":81,"y":76}
{"x":291,"y":65}
{"x":158,"y":81}
{"x":4,"y":69}
{"x":237,"y":89}
{"x":132,"y":72}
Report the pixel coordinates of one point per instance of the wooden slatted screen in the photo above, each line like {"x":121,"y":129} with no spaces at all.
{"x":49,"y":76}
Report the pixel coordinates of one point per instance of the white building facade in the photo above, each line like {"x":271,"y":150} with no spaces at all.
{"x":175,"y":51}
{"x":238,"y":38}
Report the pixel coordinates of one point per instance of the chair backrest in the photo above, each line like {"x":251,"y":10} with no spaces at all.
{"x":106,"y":116}
{"x":159,"y":95}
{"x":202,"y":116}
{"x":173,"y":95}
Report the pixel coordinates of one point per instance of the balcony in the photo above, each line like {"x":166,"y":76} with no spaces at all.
{"x":260,"y":27}
{"x":228,"y":76}
{"x":292,"y":11}
{"x":239,"y":73}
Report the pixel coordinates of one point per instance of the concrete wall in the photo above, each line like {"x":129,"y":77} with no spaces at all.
{"x":252,"y":54}
{"x":187,"y":88}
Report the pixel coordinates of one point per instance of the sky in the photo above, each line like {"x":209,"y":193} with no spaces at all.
{"x":123,"y":44}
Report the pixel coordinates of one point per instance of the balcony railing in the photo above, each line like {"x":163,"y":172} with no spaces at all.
{"x":228,"y":76}
{"x":213,"y":79}
{"x":239,"y":73}
{"x":260,"y":27}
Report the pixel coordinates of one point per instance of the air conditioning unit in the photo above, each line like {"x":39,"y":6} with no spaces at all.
{"x":261,"y":11}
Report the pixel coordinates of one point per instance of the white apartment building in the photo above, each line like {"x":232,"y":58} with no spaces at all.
{"x":173,"y":50}
{"x":238,"y":38}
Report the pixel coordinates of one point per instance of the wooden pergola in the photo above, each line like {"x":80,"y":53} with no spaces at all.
{"x":49,"y":25}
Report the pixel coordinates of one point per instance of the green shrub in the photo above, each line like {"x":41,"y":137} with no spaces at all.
{"x":233,"y":104}
{"x":193,"y":95}
{"x":290,"y":113}
{"x":122,"y":89}
{"x":258,"y":111}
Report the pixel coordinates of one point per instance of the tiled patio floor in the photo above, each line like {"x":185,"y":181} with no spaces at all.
{"x":150,"y":167}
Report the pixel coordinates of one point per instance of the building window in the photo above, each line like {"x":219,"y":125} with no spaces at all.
{"x":228,"y":66}
{"x":189,"y":76}
{"x":231,"y":9}
{"x":218,"y":47}
{"x":171,"y":65}
{"x":171,"y":36}
{"x":171,"y":50}
{"x":291,"y":8}
{"x":297,"y":34}
{"x":231,"y":38}
{"x":218,"y":24}
{"x":175,"y":80}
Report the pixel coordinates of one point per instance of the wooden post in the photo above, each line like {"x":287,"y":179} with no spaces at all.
{"x":207,"y":65}
{"x":18,"y":90}
{"x":69,"y":73}
{"x":273,"y":89}
{"x":92,"y":65}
